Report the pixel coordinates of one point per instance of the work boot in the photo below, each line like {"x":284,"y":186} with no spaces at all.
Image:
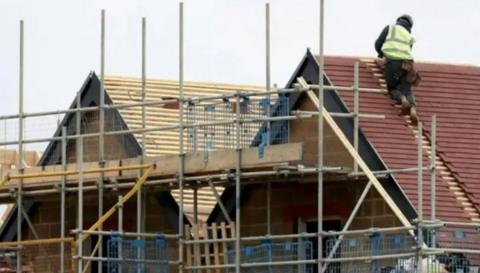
{"x":405,"y":105}
{"x":413,"y":116}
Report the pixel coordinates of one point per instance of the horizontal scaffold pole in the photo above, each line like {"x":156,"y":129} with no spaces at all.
{"x":36,"y":242}
{"x":74,"y":172}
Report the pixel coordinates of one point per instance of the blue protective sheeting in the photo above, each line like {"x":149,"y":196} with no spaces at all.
{"x":134,"y":256}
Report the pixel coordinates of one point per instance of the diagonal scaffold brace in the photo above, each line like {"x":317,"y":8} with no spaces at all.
{"x":114,"y":208}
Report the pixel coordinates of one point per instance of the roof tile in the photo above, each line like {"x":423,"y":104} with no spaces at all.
{"x":449,"y":91}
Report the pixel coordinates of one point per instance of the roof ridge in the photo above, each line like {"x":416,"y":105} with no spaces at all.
{"x":169,"y":81}
{"x":454,"y":186}
{"x":420,"y":62}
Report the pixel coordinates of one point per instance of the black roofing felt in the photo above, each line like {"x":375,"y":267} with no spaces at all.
{"x":308,"y":69}
{"x":89,"y":96}
{"x":8,"y":230}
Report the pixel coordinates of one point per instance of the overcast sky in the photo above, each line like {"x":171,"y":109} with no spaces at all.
{"x":224,"y":39}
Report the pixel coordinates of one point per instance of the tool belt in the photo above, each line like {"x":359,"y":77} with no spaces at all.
{"x":413,"y":76}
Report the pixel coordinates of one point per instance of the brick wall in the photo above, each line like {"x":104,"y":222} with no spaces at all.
{"x":306,"y":131}
{"x":293,"y":200}
{"x":46,"y":220}
{"x":375,"y":212}
{"x":114,"y":144}
{"x":339,"y":197}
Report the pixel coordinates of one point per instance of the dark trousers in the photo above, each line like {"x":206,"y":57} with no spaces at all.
{"x":397,"y":83}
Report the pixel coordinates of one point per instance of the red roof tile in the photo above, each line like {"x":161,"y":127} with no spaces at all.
{"x":447,"y":90}
{"x":452,"y":92}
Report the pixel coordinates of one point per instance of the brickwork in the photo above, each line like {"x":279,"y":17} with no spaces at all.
{"x":305,"y":130}
{"x":294,"y":200}
{"x":114,"y":145}
{"x":375,"y":212}
{"x":339,"y":197}
{"x":46,"y":220}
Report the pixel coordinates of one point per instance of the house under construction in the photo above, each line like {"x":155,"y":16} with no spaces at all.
{"x":145,"y":175}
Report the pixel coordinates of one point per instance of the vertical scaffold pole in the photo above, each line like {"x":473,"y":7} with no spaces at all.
{"x":144,"y":121}
{"x":79,"y":155}
{"x":20,"y":149}
{"x":420,"y":196}
{"x":101,"y":139}
{"x":267,"y":83}
{"x":180,"y":139}
{"x":80,"y":202}
{"x":356,"y":107}
{"x":120,"y":231}
{"x":267,"y":65}
{"x":237,"y":184}
{"x":195,"y":206}
{"x":140,"y":212}
{"x":433,"y":181}
{"x":320,"y":140}
{"x":62,"y":199}
{"x":269,"y":208}
{"x":144,"y":95}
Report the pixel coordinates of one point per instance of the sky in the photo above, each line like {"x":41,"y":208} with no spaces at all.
{"x":224,"y":39}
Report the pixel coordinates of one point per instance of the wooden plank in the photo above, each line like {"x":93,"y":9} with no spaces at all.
{"x":196,"y":246}
{"x":8,"y":156}
{"x":221,"y":160}
{"x":351,"y":150}
{"x":201,"y":198}
{"x":223,"y":230}
{"x":203,"y":210}
{"x":4,"y":169}
{"x":162,"y":89}
{"x":367,"y":60}
{"x":167,"y":165}
{"x":71,"y":178}
{"x":231,"y":226}
{"x":188,"y":247}
{"x":216,"y":257}
{"x":112,"y":80}
{"x":206,"y":248}
{"x":31,"y":158}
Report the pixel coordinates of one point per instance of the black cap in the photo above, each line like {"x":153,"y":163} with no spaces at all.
{"x":406,"y":18}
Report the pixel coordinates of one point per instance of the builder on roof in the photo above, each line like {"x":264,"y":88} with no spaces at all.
{"x":395,"y":44}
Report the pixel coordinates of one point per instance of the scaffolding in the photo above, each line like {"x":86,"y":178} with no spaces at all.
{"x":133,"y":255}
{"x":245,"y":118}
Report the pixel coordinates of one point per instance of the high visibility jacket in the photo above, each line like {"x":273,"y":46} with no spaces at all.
{"x":398,"y":44}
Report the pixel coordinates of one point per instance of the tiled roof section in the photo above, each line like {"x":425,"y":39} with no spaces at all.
{"x":394,"y":139}
{"x":452,"y":92}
